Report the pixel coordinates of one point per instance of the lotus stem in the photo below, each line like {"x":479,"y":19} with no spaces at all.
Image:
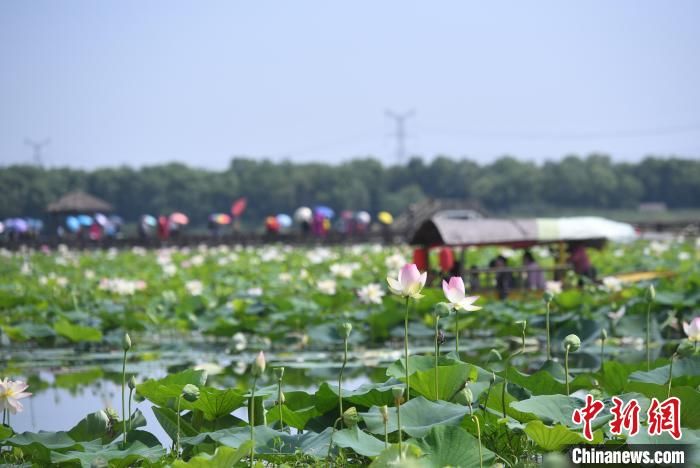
{"x":398,"y":422}
{"x":340,"y":377}
{"x":131,"y":391}
{"x":405,"y":349}
{"x":549,"y":346}
{"x":670,"y":376}
{"x":252,"y":421}
{"x":457,"y":334}
{"x":566,"y":369}
{"x":279,"y":401}
{"x":123,"y":391}
{"x":648,"y":336}
{"x":478,"y":435}
{"x":177,"y":437}
{"x":437,"y":354}
{"x":330,"y":442}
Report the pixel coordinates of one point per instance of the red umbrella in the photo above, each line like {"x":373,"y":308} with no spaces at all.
{"x":238,"y":207}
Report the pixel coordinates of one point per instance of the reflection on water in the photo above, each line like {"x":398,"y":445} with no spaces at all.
{"x":68,"y":384}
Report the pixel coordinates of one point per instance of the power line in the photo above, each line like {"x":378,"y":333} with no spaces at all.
{"x":592,"y":135}
{"x":400,"y":120}
{"x":37,"y":149}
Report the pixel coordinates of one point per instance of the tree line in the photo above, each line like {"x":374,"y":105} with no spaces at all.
{"x":505,"y":185}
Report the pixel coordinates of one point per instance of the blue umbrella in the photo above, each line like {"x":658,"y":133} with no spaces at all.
{"x":72,"y":223}
{"x":21,"y":225}
{"x":85,"y":220}
{"x":325,"y":211}
{"x":149,"y":220}
{"x":285,"y":220}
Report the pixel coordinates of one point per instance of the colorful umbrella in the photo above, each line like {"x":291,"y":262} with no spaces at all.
{"x":85,"y":220}
{"x":148,"y":220}
{"x":324,"y":211}
{"x":284,"y":220}
{"x":363,"y":217}
{"x":239,"y":206}
{"x":303,"y":214}
{"x":101,"y":219}
{"x":385,"y":217}
{"x":72,"y":223}
{"x":179,"y":218}
{"x":220,"y":218}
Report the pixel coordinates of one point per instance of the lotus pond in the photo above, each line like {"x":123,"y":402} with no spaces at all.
{"x":192,"y":389}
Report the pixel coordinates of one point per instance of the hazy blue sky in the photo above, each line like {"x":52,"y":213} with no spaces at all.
{"x":142,"y":82}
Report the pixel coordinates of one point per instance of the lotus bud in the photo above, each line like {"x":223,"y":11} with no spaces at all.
{"x":384,"y":410}
{"x":279,"y":372}
{"x":548,"y":296}
{"x":190,"y":393}
{"x":259,"y":365}
{"x":126,"y":342}
{"x":350,"y":417}
{"x":493,"y":377}
{"x":397,"y":392}
{"x":102,"y":420}
{"x":347,"y":328}
{"x":468,"y":395}
{"x":603,"y":334}
{"x":442,"y":309}
{"x":112,"y":414}
{"x":132,"y":382}
{"x":572,"y":343}
{"x":650,"y":293}
{"x":283,"y":399}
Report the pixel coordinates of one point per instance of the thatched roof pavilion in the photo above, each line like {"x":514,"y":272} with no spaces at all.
{"x":79,"y":202}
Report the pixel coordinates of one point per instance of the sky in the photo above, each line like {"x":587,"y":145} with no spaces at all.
{"x":140,"y":83}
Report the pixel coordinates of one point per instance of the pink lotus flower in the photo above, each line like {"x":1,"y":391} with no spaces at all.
{"x":456,"y":295}
{"x":409,"y":283}
{"x":692,"y":329}
{"x":10,"y":393}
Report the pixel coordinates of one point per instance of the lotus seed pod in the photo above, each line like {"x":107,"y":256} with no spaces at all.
{"x":126,"y":342}
{"x":350,"y":417}
{"x":347,"y":328}
{"x":259,"y":365}
{"x":397,"y":392}
{"x":650,"y":293}
{"x":442,"y":309}
{"x":384,"y":410}
{"x":548,"y":296}
{"x":572,"y":343}
{"x":190,"y":393}
{"x":279,"y":372}
{"x":132,"y":382}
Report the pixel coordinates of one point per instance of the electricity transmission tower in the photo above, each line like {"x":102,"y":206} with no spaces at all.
{"x":37,"y":148}
{"x":400,"y":120}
